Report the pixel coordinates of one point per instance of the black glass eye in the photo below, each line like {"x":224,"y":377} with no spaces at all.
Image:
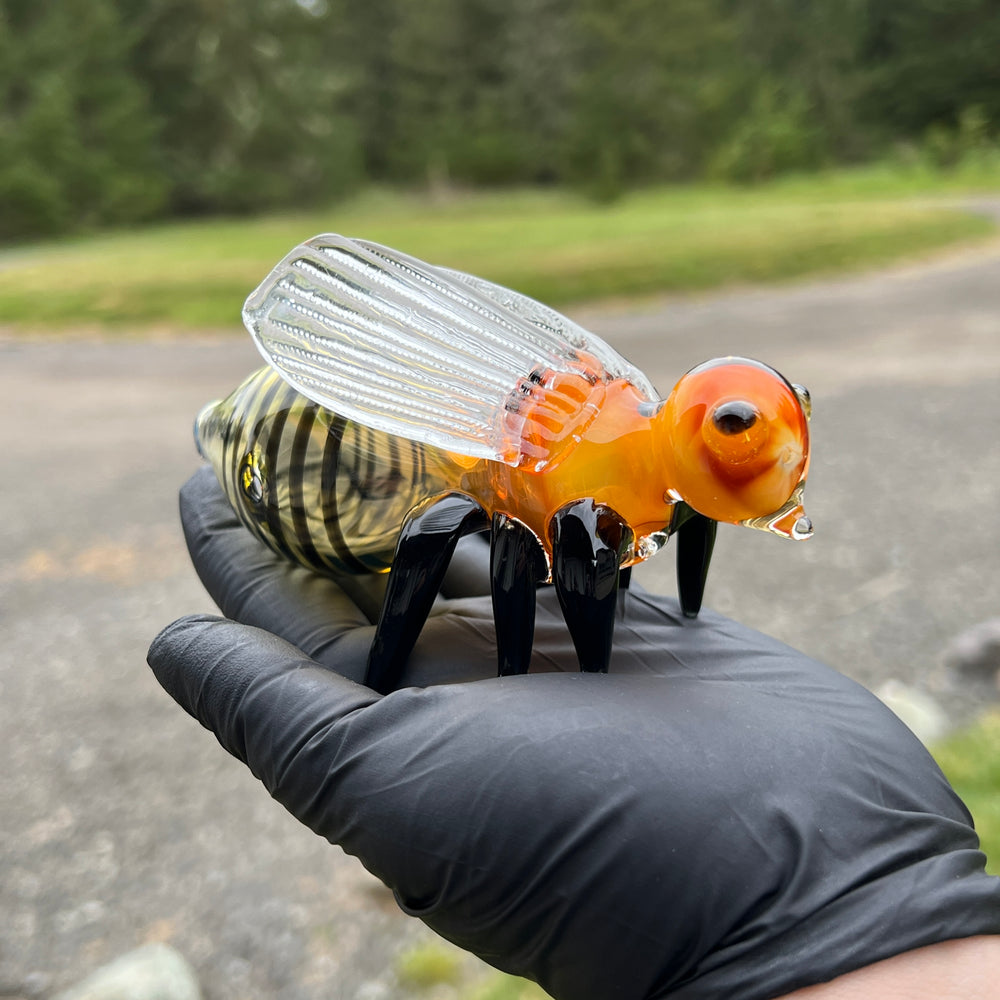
{"x":736,"y":417}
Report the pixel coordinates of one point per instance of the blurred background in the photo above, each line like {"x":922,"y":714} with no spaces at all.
{"x":814,"y":184}
{"x":125,"y":111}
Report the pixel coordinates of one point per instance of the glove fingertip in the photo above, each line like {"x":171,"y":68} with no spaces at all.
{"x":166,"y":654}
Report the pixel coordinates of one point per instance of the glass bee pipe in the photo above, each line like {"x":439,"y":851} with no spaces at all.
{"x":405,"y":405}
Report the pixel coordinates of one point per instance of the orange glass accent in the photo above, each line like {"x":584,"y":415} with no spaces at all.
{"x":694,"y":448}
{"x":723,"y":472}
{"x":547,"y":415}
{"x":611,"y":456}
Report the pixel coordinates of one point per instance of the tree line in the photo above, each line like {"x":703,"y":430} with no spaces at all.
{"x":119,"y":111}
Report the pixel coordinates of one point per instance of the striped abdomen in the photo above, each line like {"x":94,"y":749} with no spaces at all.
{"x":320,"y":489}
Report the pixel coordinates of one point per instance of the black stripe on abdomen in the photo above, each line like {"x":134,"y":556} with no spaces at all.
{"x":297,"y":466}
{"x":271,"y":494}
{"x":331,"y":514}
{"x":257,"y":401}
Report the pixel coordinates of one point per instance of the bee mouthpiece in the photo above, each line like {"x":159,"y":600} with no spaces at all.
{"x":789,"y":520}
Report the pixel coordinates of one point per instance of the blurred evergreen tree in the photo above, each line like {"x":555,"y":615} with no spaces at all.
{"x":540,"y":62}
{"x":461,"y":91}
{"x":930,"y":61}
{"x":421,"y":58}
{"x":75,"y":132}
{"x":366,"y":55}
{"x":653,"y":81}
{"x":800,"y":62}
{"x":248,"y":101}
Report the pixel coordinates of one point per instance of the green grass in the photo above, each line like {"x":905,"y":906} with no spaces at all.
{"x":971,"y":761}
{"x":550,"y":244}
{"x":500,"y":987}
{"x":429,"y":965}
{"x":438,"y":969}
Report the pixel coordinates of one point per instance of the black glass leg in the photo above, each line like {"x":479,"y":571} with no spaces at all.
{"x":695,"y":541}
{"x":587,"y":548}
{"x":624,"y":579}
{"x":423,"y":552}
{"x":517,"y":565}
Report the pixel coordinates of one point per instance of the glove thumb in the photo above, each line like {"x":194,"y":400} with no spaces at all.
{"x":261,"y":696}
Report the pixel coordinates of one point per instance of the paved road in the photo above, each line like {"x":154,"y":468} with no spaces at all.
{"x":122,"y":822}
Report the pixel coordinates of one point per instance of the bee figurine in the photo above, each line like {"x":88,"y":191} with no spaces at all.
{"x":405,"y":405}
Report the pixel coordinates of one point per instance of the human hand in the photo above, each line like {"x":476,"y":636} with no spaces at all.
{"x":717,"y":816}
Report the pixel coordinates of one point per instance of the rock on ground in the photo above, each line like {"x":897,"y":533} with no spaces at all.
{"x":152,"y":972}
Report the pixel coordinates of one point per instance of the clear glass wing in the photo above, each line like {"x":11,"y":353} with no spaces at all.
{"x":552,"y":324}
{"x":421,"y":352}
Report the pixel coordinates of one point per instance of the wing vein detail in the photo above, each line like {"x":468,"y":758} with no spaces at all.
{"x":421,"y":352}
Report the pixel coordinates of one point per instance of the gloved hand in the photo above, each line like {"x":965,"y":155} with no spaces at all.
{"x":718,"y":816}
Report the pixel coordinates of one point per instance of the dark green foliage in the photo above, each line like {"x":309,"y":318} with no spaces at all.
{"x":117,"y":111}
{"x":647,"y":68}
{"x":247,"y":99}
{"x":461,"y":91}
{"x":776,"y":134}
{"x":928,"y":61}
{"x":801,"y":72}
{"x":77,"y":145}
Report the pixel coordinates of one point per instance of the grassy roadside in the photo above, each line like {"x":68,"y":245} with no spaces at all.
{"x":971,"y":761}
{"x":552,"y":245}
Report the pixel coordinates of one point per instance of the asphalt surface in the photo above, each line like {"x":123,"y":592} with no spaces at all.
{"x":122,"y":822}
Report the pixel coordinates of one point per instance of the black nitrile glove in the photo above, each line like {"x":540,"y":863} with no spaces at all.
{"x":719,"y":816}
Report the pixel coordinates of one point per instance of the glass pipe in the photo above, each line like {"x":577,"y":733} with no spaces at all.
{"x":406,"y":404}
{"x":730,"y":441}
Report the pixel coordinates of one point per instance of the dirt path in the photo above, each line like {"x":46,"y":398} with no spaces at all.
{"x":122,"y":822}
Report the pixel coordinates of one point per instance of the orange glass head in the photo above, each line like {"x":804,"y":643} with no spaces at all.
{"x":739,"y":445}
